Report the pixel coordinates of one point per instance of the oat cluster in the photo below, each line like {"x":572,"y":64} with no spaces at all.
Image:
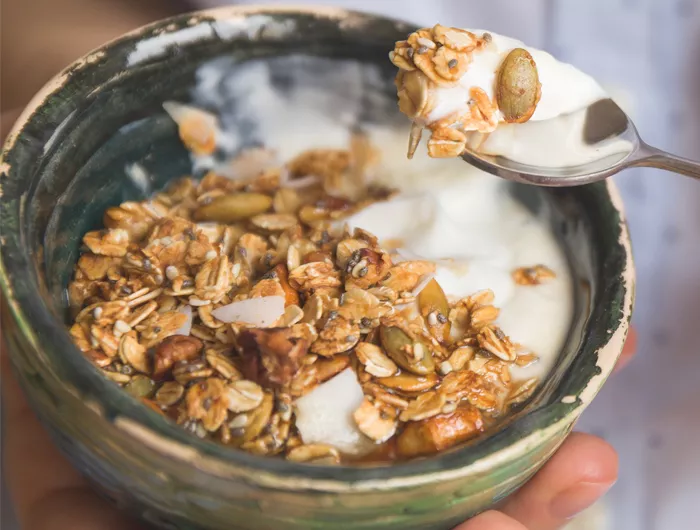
{"x":433,"y":58}
{"x":219,"y":302}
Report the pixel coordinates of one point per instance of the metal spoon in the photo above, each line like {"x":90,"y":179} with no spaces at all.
{"x":605,"y":122}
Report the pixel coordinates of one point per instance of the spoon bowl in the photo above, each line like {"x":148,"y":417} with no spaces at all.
{"x":602,"y":134}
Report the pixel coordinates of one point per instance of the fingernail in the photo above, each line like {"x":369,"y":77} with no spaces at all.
{"x":573,"y":501}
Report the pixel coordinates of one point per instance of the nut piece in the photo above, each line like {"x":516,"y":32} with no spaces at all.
{"x":173,"y":349}
{"x":518,"y":88}
{"x":271,"y":356}
{"x":235,"y":207}
{"x":439,"y":433}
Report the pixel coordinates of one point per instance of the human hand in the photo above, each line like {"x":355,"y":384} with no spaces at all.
{"x":49,"y":494}
{"x":583,"y":470}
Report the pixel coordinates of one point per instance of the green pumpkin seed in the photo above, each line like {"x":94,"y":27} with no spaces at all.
{"x":401,"y":348}
{"x":234,"y":207}
{"x":518,"y":86}
{"x":435,"y":309}
{"x":140,"y":386}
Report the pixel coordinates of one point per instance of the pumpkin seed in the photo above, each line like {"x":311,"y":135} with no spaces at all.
{"x":414,"y":93}
{"x":401,"y":348}
{"x":414,"y":139}
{"x":234,"y":207}
{"x":140,"y":386}
{"x":435,"y":308}
{"x":518,"y":88}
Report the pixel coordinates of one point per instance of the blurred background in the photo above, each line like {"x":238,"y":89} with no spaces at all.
{"x":647,"y":54}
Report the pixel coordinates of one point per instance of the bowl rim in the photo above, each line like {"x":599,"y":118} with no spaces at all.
{"x":207,"y":456}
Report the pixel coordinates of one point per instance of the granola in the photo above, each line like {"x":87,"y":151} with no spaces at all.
{"x":220,"y":302}
{"x":432,"y":61}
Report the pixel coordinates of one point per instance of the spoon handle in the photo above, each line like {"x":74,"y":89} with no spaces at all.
{"x":653,"y":157}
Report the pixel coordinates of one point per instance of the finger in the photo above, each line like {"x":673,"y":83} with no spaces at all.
{"x":491,"y":520}
{"x":582,"y":471}
{"x":628,"y":351}
{"x":34,"y":468}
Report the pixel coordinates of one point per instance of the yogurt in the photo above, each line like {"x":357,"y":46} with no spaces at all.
{"x":462,"y":112}
{"x":565,"y":89}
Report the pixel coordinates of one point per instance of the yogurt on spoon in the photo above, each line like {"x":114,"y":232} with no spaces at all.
{"x":475,"y":89}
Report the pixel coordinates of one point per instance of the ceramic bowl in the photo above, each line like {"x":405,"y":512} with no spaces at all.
{"x":63,"y":164}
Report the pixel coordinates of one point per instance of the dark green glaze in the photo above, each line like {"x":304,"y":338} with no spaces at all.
{"x":52,"y":194}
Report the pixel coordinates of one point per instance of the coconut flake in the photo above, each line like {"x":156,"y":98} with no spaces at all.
{"x":179,"y":112}
{"x":250,"y":163}
{"x":260,"y":312}
{"x":325,"y":415}
{"x":422,"y":284}
{"x":186,"y":328}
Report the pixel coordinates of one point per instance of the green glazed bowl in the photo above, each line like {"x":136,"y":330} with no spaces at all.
{"x":63,"y":164}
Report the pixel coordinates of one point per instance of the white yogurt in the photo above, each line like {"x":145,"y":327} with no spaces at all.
{"x":565,"y":89}
{"x":451,"y":212}
{"x":446,"y":209}
{"x":554,"y":135}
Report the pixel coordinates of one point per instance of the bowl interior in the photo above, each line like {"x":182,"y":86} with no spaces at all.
{"x":76,"y":157}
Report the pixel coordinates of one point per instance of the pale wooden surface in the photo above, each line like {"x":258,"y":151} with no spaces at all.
{"x":648,"y":53}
